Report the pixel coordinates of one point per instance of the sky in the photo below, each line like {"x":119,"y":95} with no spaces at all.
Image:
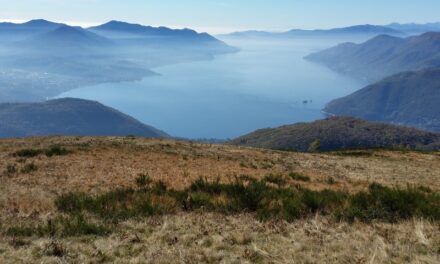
{"x":221,"y":16}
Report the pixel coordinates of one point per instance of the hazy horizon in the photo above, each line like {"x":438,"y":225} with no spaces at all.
{"x":223,"y":16}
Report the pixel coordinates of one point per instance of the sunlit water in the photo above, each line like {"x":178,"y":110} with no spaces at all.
{"x":263,"y":85}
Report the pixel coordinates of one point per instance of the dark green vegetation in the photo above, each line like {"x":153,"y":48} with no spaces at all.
{"x":270,"y":198}
{"x":338,"y":133}
{"x":28,"y":168}
{"x":410,"y":98}
{"x":299,"y":177}
{"x":54,"y":150}
{"x":66,"y":117}
{"x":75,"y":225}
{"x":382,"y":56}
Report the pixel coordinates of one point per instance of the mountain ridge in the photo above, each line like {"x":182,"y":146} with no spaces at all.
{"x":382,"y":56}
{"x":366,"y":29}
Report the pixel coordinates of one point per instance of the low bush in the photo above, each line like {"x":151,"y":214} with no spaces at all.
{"x":393,"y":204}
{"x":54,"y":150}
{"x":260,"y":197}
{"x":299,"y":177}
{"x":75,"y":225}
{"x":28,"y":153}
{"x":11,"y":169}
{"x":28,"y":168}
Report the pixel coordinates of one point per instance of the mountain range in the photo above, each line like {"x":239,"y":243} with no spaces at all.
{"x":394,"y":29}
{"x":382,"y":56}
{"x":409,"y":98}
{"x":363,"y":30}
{"x":415,"y":29}
{"x":61,"y":57}
{"x":339,"y":133}
{"x":69,"y":117}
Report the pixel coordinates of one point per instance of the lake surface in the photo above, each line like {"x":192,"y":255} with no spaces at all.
{"x":266,"y":84}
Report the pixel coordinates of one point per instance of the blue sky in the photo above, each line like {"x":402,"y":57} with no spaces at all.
{"x":218,"y":16}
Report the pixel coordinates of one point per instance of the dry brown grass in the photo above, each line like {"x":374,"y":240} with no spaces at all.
{"x":101,"y":164}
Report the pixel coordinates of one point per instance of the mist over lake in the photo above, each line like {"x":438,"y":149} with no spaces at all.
{"x":266,"y":84}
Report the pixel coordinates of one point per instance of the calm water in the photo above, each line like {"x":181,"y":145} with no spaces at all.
{"x":264,"y":85}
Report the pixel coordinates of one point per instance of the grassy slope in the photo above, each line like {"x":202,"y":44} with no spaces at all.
{"x":100,"y":164}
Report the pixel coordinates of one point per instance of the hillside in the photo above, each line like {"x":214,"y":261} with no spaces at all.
{"x":382,"y":56}
{"x":339,"y":133}
{"x":68,"y":117}
{"x":36,"y":194}
{"x":410,"y":98}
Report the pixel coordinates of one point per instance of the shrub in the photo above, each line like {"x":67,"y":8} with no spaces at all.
{"x":299,"y":177}
{"x":10,"y":169}
{"x":266,"y":201}
{"x":28,"y":153}
{"x":278,"y":180}
{"x":54,"y":150}
{"x":143,"y":180}
{"x":75,"y":225}
{"x":20,"y":231}
{"x":28,"y":168}
{"x":391,"y":205}
{"x":330,"y":180}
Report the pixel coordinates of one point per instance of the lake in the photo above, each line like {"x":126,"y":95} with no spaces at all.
{"x":266,"y":84}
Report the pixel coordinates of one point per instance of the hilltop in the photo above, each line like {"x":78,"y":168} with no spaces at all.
{"x":44,"y":219}
{"x":338,"y":133}
{"x":69,"y":117}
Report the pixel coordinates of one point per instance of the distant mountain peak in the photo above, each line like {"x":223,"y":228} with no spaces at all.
{"x":42,"y":23}
{"x":38,"y":22}
{"x":67,"y":36}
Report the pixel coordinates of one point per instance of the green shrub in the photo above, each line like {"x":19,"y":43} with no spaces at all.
{"x":28,"y":153}
{"x":330,"y":180}
{"x":278,"y":180}
{"x":262,"y":198}
{"x":28,"y":168}
{"x":11,"y":169}
{"x":75,"y":225}
{"x":391,"y":205}
{"x":54,"y":150}
{"x":20,"y":231}
{"x":299,"y":177}
{"x":143,"y":180}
